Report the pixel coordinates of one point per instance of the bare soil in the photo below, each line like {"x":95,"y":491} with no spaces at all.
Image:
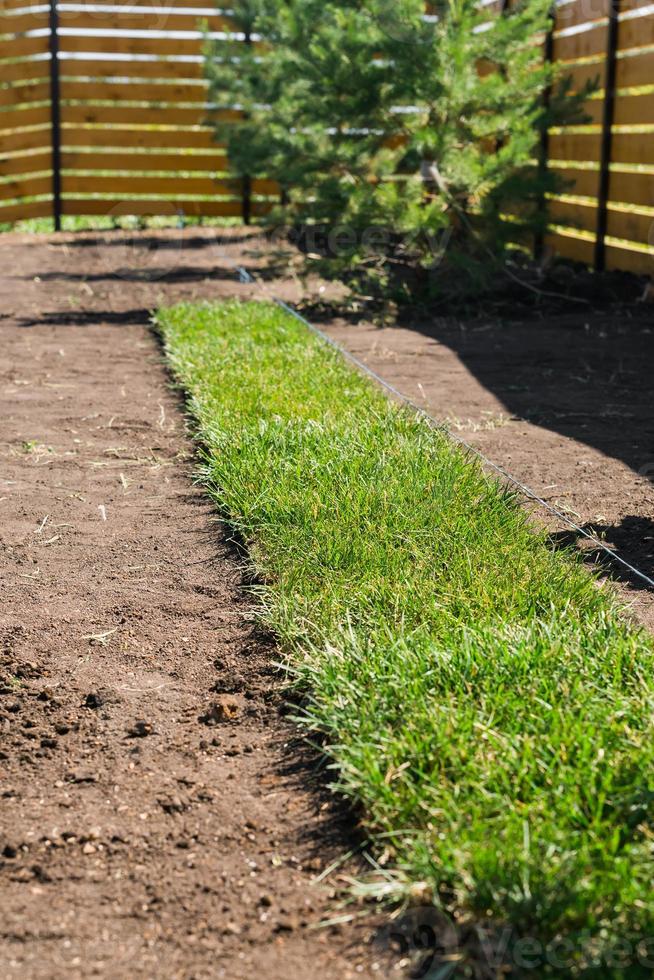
{"x":136,"y":840}
{"x":159,"y":817}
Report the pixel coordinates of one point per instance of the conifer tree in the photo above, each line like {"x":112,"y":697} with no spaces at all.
{"x":403,"y":139}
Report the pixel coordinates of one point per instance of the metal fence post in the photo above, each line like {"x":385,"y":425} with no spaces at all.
{"x":608,"y":114}
{"x":544,"y":148}
{"x":247,"y":181}
{"x":55,"y":113}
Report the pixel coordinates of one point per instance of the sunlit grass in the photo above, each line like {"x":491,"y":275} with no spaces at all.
{"x":480,"y":697}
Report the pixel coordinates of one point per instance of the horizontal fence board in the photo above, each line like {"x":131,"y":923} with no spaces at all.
{"x":578,"y":249}
{"x":628,"y":188}
{"x":92,"y":68}
{"x":637,"y":148}
{"x":160,"y":46}
{"x":581,"y":75}
{"x":634,"y":260}
{"x":15,"y":118}
{"x":23,"y":47}
{"x":170,"y":186}
{"x":173,"y":5}
{"x":572,"y":47}
{"x":173,"y":187}
{"x":200,"y":139}
{"x":34,"y":139}
{"x":636,"y":32}
{"x":581,"y":12}
{"x":585,"y":183}
{"x":139,"y":115}
{"x":11,"y":23}
{"x":29,"y":163}
{"x":574,"y":146}
{"x":11,"y":6}
{"x":28,"y":209}
{"x":578,"y":216}
{"x":130,"y":19}
{"x":135,"y":162}
{"x":27,"y":187}
{"x":134,"y":91}
{"x":26,"y":70}
{"x":634,"y":70}
{"x":629,"y":259}
{"x":634,"y":110}
{"x":31,"y":92}
{"x":118,"y":207}
{"x":629,"y":225}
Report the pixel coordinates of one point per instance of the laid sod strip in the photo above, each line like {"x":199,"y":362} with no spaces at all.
{"x":482,"y":699}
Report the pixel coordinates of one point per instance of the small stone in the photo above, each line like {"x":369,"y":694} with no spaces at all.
{"x":225,"y":708}
{"x":141,"y":729}
{"x":82,"y":776}
{"x":88,"y":848}
{"x":49,"y":743}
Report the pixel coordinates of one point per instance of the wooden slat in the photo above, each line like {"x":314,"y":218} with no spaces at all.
{"x":116,"y":208}
{"x":30,"y":187}
{"x":28,"y":163}
{"x":626,"y":147}
{"x":631,"y":225}
{"x":634,"y":110}
{"x":580,"y":216}
{"x":134,"y":92}
{"x":138,"y":115}
{"x":572,"y":47}
{"x":174,"y":5}
{"x":633,"y":70}
{"x":131,"y":20}
{"x":35,"y":139}
{"x":578,"y":249}
{"x":636,"y":32}
{"x":22,"y":71}
{"x":16,"y":118}
{"x":23,"y":47}
{"x":20,"y":23}
{"x":581,"y":75}
{"x":139,"y":162}
{"x":173,"y":187}
{"x":621,"y":257}
{"x":581,"y":12}
{"x":628,"y":188}
{"x":19,"y":212}
{"x":32,"y":92}
{"x":9,"y":6}
{"x":200,"y":139}
{"x":92,"y":68}
{"x":575,"y":146}
{"x":585,"y":183}
{"x":160,"y":46}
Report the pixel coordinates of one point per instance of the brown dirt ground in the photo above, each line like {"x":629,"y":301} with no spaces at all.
{"x":135,"y":840}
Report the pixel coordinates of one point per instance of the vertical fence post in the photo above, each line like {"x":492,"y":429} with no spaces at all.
{"x":247,"y":181}
{"x":55,"y":112}
{"x":544,"y":149}
{"x":608,"y":114}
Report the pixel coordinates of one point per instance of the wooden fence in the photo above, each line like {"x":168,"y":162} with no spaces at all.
{"x":103,"y":111}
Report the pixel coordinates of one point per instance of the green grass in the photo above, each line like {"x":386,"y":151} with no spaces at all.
{"x":481,"y":698}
